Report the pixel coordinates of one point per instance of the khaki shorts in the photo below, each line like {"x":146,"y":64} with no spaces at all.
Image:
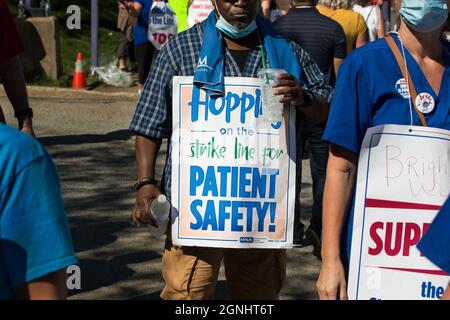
{"x":191,"y":273}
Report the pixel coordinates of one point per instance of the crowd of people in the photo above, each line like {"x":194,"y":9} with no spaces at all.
{"x":344,"y":60}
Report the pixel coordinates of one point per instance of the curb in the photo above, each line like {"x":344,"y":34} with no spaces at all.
{"x":53,"y":92}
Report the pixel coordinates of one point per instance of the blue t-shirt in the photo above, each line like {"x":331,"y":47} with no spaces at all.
{"x":141,"y":26}
{"x":35,"y":238}
{"x":435,"y":244}
{"x":369,"y":92}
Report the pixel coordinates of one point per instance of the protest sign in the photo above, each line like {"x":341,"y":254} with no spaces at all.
{"x":233,"y":175}
{"x":162,"y":25}
{"x":199,"y":11}
{"x":403,"y":180}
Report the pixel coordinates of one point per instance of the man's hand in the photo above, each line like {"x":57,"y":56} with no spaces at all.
{"x":290,"y":90}
{"x":141,"y":212}
{"x":26,"y":125}
{"x":331,"y":284}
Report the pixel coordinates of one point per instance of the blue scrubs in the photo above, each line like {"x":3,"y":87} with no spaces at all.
{"x":35,"y":237}
{"x":435,"y":244}
{"x":141,"y":26}
{"x":369,"y":92}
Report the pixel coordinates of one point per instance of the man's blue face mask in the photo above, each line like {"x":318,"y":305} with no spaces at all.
{"x":424,"y":15}
{"x":230,"y":30}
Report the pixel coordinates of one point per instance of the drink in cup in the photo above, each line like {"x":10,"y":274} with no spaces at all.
{"x":272,"y":109}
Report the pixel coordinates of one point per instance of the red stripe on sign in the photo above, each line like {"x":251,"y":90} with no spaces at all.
{"x":377,"y":203}
{"x":433,"y":272}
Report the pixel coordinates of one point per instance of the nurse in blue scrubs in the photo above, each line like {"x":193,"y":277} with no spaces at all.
{"x":435,"y":244}
{"x":371,"y":90}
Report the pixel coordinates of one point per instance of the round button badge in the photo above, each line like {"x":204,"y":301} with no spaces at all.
{"x":402,"y":88}
{"x":425,"y":103}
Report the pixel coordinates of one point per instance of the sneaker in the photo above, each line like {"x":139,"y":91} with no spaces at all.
{"x":314,"y":238}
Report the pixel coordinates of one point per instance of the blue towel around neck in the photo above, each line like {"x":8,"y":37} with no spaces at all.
{"x":209,"y":73}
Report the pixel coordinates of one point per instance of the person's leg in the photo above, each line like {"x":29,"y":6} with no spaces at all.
{"x":318,"y":151}
{"x":122,"y":51}
{"x":255,"y":274}
{"x":190,"y":273}
{"x":298,"y":225}
{"x":144,"y":55}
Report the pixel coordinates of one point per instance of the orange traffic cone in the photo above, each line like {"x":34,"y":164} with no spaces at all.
{"x":79,"y":76}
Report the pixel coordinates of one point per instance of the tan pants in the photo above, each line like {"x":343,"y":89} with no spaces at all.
{"x":191,"y":273}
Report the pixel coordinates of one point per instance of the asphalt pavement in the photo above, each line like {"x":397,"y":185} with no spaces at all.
{"x":87,"y":135}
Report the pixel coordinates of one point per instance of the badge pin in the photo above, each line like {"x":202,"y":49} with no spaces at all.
{"x":402,"y":88}
{"x":425,"y":103}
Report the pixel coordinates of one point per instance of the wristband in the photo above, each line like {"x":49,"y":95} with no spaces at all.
{"x":144,"y":181}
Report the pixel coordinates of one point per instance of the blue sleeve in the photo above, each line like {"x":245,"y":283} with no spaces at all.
{"x":35,"y":236}
{"x":350,"y":108}
{"x":435,"y":244}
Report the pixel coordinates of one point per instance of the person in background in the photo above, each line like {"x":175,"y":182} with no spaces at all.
{"x":357,"y":106}
{"x":11,"y":73}
{"x":324,"y":39}
{"x":352,"y":22}
{"x":143,"y":49}
{"x":180,"y":7}
{"x":435,"y":244}
{"x":125,"y":23}
{"x":274,"y":9}
{"x":35,"y":241}
{"x":373,"y":17}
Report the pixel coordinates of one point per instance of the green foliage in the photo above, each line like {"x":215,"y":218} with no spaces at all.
{"x":74,"y":41}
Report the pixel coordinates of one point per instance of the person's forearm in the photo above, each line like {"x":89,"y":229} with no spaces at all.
{"x":265,"y":7}
{"x":317,"y":111}
{"x":338,"y":191}
{"x":337,"y":62}
{"x":446,"y":295}
{"x":146,"y":153}
{"x":50,"y":287}
{"x":134,"y":10}
{"x":14,"y":83}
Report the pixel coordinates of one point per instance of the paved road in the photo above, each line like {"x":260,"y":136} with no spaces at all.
{"x":86,"y":133}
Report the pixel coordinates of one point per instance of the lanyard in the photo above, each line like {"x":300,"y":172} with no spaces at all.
{"x":402,"y":64}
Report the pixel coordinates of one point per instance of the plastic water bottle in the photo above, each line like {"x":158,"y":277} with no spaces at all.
{"x":160,"y":209}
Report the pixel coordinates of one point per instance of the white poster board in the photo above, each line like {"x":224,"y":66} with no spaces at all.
{"x":403,"y":180}
{"x":199,"y":11}
{"x":233,"y":175}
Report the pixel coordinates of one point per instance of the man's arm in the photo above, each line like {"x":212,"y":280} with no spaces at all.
{"x":15,"y":87}
{"x":50,"y":287}
{"x":146,"y":153}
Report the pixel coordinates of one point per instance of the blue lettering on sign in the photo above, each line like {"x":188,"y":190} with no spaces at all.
{"x":246,"y":240}
{"x":233,"y":182}
{"x":206,"y":107}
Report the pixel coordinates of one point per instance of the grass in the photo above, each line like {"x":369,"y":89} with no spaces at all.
{"x":74,"y":41}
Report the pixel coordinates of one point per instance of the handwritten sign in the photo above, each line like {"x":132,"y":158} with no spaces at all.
{"x":233,"y":175}
{"x":199,"y":11}
{"x":403,"y":180}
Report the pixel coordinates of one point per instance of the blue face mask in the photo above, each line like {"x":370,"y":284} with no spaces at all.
{"x":424,"y":15}
{"x":230,"y":30}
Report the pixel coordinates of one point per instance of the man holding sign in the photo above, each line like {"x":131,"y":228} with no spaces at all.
{"x":230,"y":43}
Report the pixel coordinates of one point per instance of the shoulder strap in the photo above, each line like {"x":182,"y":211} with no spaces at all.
{"x":401,"y":63}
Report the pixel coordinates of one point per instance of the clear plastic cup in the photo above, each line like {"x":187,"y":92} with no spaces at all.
{"x":272,"y":109}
